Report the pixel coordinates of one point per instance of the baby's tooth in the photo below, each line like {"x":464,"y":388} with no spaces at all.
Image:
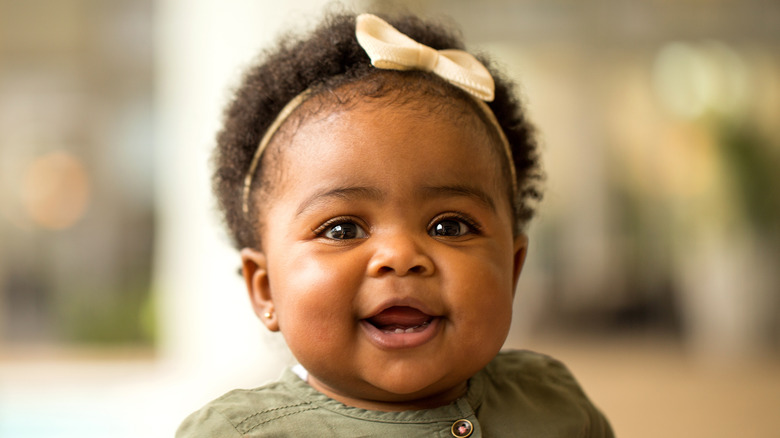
{"x":410,"y":330}
{"x":399,"y":331}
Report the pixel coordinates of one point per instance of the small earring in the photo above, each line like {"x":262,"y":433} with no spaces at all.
{"x":268,"y":315}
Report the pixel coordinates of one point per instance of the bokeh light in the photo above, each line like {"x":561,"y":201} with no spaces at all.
{"x":56,"y":190}
{"x":692,"y":79}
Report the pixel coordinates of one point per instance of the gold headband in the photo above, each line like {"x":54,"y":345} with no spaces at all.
{"x":391,"y":50}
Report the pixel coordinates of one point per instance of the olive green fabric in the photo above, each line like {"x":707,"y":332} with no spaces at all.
{"x":519,"y":393}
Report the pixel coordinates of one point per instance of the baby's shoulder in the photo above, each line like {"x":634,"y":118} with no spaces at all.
{"x":522,"y":370}
{"x":239,"y":412}
{"x":537,"y":392}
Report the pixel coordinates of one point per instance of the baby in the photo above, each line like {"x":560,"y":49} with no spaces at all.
{"x":378,"y":179}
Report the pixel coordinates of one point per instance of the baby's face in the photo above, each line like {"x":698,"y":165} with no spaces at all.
{"x":388,"y":262}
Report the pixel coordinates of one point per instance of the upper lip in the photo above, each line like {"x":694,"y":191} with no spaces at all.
{"x":401,"y":302}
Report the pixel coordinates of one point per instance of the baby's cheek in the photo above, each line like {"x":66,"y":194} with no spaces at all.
{"x":486,"y":307}
{"x":311,"y":338}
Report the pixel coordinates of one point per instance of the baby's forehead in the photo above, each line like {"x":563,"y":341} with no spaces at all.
{"x":361,"y":121}
{"x":370,"y":144}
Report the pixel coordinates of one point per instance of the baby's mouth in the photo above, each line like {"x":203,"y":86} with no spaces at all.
{"x":400,"y":319}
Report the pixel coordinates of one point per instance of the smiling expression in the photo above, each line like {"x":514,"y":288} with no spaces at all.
{"x":388,"y":259}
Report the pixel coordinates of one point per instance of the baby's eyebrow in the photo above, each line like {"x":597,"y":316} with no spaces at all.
{"x":460,"y":191}
{"x":343,"y":193}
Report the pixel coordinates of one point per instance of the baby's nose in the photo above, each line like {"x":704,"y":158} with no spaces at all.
{"x":400,"y":255}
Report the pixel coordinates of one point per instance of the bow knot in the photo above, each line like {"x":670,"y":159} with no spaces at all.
{"x":427,"y":58}
{"x":392,"y":50}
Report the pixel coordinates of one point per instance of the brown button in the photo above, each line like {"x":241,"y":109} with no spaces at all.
{"x":462,"y":428}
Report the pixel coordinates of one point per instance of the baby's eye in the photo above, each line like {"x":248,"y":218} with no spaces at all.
{"x":343,"y":231}
{"x":451,"y":227}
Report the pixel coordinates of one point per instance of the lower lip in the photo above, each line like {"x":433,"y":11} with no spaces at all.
{"x":397,"y":341}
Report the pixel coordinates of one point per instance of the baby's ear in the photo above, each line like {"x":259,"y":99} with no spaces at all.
{"x":254,"y":268}
{"x":521,"y":249}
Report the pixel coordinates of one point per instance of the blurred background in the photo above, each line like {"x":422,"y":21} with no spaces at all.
{"x":653,"y":269}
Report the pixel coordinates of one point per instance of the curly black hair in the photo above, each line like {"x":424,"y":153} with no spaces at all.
{"x":325,"y":60}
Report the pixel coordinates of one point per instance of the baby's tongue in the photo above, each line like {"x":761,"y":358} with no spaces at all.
{"x":399,"y":317}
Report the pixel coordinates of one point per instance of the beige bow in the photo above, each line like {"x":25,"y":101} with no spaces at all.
{"x":390,"y":49}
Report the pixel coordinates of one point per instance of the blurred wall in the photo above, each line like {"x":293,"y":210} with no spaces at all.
{"x":76,"y":183}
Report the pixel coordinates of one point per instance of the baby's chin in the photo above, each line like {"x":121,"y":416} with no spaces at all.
{"x":391,"y":392}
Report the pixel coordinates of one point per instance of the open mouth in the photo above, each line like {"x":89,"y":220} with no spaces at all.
{"x":401,"y":327}
{"x":400,"y":319}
